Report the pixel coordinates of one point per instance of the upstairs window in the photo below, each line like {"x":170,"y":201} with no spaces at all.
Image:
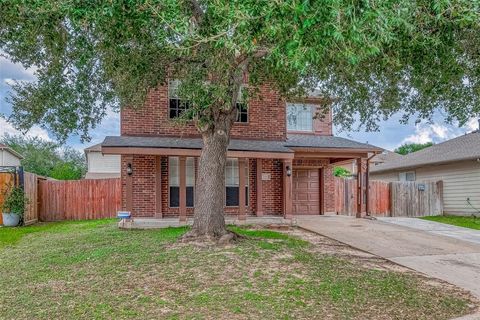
{"x":176,"y":106}
{"x":242,"y":107}
{"x":242,"y":115}
{"x":232,"y":183}
{"x":299,"y":117}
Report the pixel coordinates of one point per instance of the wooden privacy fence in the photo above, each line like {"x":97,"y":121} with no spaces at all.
{"x":346,"y":197}
{"x":396,"y":199}
{"x":416,"y":199}
{"x":79,"y":199}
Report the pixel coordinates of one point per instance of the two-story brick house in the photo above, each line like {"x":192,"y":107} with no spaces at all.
{"x":280,"y":159}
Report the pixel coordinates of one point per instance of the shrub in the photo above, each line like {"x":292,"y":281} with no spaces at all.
{"x":15,"y":201}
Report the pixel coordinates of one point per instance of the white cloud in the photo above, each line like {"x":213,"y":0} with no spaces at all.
{"x":473,"y":124}
{"x":36,"y":131}
{"x":437,"y":132}
{"x":15,"y":71}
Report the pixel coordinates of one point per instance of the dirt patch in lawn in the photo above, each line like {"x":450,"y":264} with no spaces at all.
{"x":98,"y":271}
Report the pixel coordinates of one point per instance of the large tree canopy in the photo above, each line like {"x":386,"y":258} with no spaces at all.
{"x":373,"y":57}
{"x":407,"y":148}
{"x":47,"y":158}
{"x":369,"y":57}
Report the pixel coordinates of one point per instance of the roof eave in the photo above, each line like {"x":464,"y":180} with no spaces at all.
{"x":424,"y":164}
{"x":15,"y":153}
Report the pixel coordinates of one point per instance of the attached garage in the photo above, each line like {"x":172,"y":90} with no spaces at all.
{"x":306,"y":191}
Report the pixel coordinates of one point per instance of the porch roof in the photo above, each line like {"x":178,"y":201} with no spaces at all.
{"x":192,"y":143}
{"x":326,"y":145}
{"x":327,"y":142}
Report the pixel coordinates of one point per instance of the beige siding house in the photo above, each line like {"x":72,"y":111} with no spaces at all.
{"x":101,"y":166}
{"x":9,"y":157}
{"x":456,"y":162}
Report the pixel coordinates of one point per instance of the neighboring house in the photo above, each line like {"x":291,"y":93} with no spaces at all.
{"x":456,"y":162}
{"x":378,"y":159}
{"x":101,"y":166}
{"x":280,"y":159}
{"x":9,"y":157}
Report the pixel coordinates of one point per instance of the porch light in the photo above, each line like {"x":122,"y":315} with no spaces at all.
{"x":129,"y":169}
{"x":289,"y":171}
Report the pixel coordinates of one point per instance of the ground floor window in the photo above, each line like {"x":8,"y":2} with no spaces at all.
{"x":406,"y":176}
{"x":232,"y":183}
{"x":174,"y":181}
{"x":190,"y":172}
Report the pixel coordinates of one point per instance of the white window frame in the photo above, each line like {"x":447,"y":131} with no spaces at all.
{"x":174,"y":175}
{"x":302,"y":115}
{"x":231,"y":168}
{"x":173,"y":178}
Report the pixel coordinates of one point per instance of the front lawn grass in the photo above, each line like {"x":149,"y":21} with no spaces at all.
{"x":93,"y":270}
{"x":466,"y":222}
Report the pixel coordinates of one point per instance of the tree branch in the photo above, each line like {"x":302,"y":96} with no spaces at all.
{"x":198,"y":13}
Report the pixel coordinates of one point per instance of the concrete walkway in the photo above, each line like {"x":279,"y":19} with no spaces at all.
{"x":447,"y":258}
{"x":436,"y":228}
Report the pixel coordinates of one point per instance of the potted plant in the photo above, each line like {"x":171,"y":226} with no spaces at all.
{"x":13,"y":207}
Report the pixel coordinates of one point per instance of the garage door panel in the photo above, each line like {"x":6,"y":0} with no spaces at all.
{"x":306,"y":191}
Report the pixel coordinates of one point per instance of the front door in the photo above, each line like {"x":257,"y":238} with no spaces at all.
{"x":306,"y":191}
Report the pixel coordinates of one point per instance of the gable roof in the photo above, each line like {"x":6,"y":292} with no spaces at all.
{"x":95,"y":147}
{"x":386,"y":156}
{"x":465,"y":147}
{"x":8,"y":149}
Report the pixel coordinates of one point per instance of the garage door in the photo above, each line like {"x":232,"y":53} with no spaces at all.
{"x":306,"y":191}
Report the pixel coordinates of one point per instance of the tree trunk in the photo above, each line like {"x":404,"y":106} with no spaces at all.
{"x":209,"y":219}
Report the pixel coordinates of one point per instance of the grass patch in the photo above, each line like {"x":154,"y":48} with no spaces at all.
{"x":12,"y":235}
{"x":466,"y":222}
{"x":91,"y":269}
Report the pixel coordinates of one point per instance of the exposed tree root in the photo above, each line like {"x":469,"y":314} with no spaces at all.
{"x":226,"y":238}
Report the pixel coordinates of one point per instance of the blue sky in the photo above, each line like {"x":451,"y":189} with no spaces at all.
{"x":391,"y":133}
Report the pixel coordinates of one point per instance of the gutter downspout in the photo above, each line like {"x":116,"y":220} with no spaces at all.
{"x":367,"y":178}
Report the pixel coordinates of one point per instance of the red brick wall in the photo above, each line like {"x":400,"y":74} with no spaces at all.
{"x":273,"y":189}
{"x":266,"y":118}
{"x":323,"y":126}
{"x":143,"y":180}
{"x":329,"y":184}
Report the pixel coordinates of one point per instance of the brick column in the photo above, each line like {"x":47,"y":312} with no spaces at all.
{"x":259,"y":183}
{"x":287,"y":190}
{"x":242,"y":185}
{"x":158,"y":187}
{"x":182,"y":163}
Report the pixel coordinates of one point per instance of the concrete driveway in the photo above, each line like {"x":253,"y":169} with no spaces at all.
{"x":447,"y":258}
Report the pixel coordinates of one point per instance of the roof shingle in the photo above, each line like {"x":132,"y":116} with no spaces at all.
{"x":464,"y":147}
{"x":301,"y":141}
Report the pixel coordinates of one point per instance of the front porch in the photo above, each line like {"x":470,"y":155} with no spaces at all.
{"x":271,"y":179}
